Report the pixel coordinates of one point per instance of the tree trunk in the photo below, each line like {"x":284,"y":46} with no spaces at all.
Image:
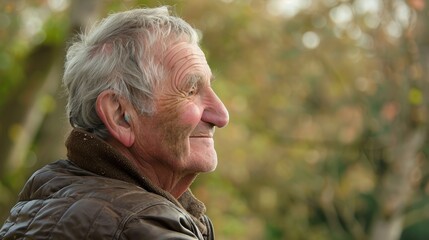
{"x":396,"y":186}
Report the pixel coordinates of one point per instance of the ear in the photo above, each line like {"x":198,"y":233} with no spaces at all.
{"x":111,"y":110}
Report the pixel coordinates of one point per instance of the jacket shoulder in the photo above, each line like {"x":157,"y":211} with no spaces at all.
{"x":63,"y":201}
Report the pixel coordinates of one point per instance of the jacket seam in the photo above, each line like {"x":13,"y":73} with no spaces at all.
{"x":33,"y":218}
{"x":62,"y":215}
{"x":93,"y":221}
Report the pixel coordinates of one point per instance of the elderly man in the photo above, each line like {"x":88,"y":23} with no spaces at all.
{"x":143,"y":113}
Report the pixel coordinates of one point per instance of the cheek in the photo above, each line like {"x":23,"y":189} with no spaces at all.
{"x":191,"y":116}
{"x":182,"y":115}
{"x":177,"y":125}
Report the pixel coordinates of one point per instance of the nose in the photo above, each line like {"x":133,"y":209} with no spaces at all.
{"x":215,"y":112}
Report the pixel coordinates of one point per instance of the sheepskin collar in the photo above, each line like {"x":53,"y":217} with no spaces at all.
{"x":95,"y":155}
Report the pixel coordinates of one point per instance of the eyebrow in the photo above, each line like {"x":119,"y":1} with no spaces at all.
{"x":198,"y":78}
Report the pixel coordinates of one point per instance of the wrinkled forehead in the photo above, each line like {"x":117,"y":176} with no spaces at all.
{"x":183,"y":52}
{"x":184,"y":59}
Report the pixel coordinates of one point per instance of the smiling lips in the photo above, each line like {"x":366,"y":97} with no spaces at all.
{"x":203,"y":133}
{"x":202,"y":136}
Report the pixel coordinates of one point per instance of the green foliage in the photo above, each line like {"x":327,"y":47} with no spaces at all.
{"x":318,"y":103}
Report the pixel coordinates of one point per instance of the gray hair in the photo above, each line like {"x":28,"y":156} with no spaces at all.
{"x":121,"y":53}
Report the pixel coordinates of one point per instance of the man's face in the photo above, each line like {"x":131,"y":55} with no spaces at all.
{"x":179,"y":136}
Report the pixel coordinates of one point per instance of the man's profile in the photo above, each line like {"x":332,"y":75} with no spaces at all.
{"x":143,"y":114}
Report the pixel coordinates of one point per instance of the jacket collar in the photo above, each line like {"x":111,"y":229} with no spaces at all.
{"x":95,"y":155}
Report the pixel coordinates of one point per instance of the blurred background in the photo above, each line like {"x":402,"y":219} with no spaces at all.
{"x":328,"y":135}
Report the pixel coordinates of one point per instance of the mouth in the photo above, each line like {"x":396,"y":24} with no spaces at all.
{"x":201,"y":137}
{"x":203,"y":132}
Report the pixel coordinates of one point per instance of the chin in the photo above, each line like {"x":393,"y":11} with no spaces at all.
{"x":210,"y":162}
{"x":212,"y":167}
{"x":204,"y":163}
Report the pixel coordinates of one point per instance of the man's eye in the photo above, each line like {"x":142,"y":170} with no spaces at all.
{"x":192,"y":91}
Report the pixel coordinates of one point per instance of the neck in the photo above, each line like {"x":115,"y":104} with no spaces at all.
{"x":175,"y":183}
{"x":182,"y":185}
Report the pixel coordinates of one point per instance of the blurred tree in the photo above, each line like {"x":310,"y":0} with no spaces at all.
{"x":327,"y":137}
{"x":31,"y":86}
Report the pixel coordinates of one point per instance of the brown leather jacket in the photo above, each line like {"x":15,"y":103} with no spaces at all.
{"x":97,"y":194}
